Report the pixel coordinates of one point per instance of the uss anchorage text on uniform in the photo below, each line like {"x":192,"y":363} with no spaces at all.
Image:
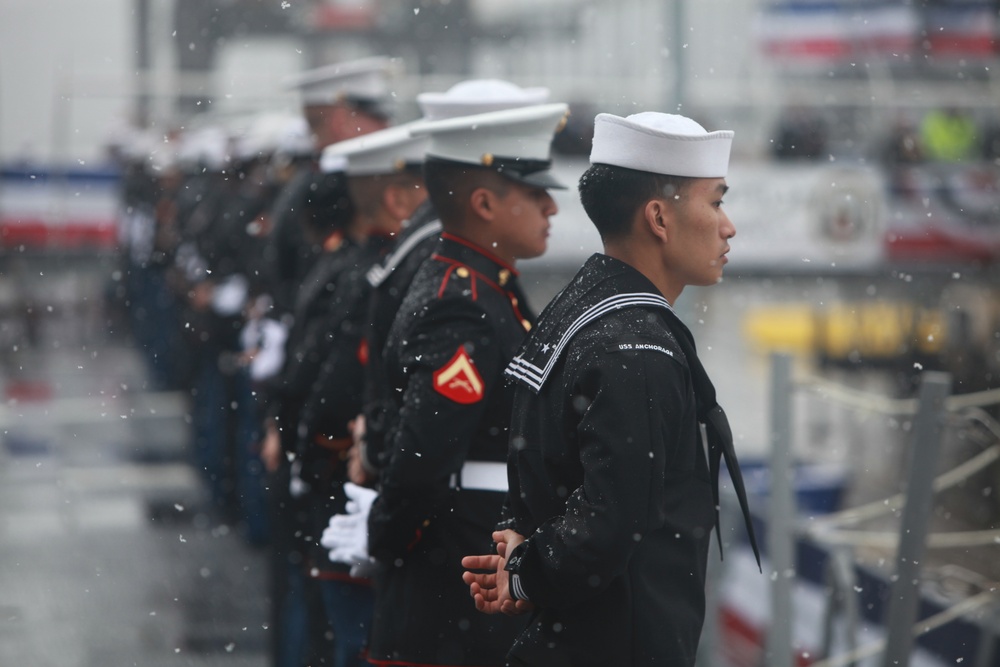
{"x":644,"y":346}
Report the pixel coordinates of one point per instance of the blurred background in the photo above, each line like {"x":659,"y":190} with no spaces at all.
{"x":865,"y":189}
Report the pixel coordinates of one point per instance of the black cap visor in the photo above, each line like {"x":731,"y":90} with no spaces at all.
{"x":375,"y":107}
{"x":535,"y":173}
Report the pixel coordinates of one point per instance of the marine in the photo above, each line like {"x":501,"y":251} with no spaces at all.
{"x":443,"y":482}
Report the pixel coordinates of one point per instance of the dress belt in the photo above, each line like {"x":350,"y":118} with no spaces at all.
{"x":481,"y":476}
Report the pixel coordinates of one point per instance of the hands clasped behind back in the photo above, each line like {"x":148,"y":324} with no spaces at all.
{"x":346,"y":536}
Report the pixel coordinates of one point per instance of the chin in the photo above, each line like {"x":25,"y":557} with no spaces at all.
{"x":708,"y":281}
{"x":531,"y":253}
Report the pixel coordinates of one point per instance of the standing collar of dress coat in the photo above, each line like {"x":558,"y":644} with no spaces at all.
{"x":458,"y":251}
{"x":603,"y":285}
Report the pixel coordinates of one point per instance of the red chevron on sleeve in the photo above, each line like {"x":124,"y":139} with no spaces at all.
{"x":459,"y":380}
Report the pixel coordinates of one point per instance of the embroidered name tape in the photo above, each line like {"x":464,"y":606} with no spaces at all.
{"x":626,"y":347}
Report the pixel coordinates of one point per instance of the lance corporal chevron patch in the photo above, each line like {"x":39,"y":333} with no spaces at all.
{"x":459,"y":380}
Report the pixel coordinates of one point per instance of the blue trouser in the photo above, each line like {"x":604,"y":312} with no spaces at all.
{"x":293,"y":615}
{"x":250,"y":483}
{"x":155,"y":324}
{"x":349,"y":608}
{"x":209,"y":422}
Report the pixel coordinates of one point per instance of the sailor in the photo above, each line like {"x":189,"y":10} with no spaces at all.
{"x":612,"y":497}
{"x":464,"y":316}
{"x":385,"y":184}
{"x":391,"y":278}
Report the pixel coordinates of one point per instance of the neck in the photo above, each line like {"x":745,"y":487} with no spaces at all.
{"x":357,"y":230}
{"x":382,"y":225}
{"x":647,"y":263}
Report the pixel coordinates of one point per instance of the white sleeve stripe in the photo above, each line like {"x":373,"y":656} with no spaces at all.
{"x":516,"y":589}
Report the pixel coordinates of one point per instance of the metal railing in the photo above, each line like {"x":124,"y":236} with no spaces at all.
{"x":932,"y":411}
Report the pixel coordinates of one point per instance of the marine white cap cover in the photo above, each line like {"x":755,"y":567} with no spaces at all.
{"x":387,"y":151}
{"x":661,"y":143}
{"x":515,"y":142}
{"x":332,"y":164}
{"x":366,"y":79}
{"x":477,"y":96}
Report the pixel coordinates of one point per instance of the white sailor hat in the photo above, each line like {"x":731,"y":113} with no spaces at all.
{"x":661,"y":143}
{"x":477,"y":96}
{"x":363,"y":82}
{"x":517,"y":143}
{"x":387,"y":151}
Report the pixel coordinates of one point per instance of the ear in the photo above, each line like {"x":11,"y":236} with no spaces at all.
{"x":482,"y":202}
{"x":658,"y":216}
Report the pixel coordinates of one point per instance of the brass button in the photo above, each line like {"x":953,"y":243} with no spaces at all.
{"x":562,"y":123}
{"x":462,"y":272}
{"x":513,"y":301}
{"x":503,"y":276}
{"x":526,"y":324}
{"x":487,"y":159}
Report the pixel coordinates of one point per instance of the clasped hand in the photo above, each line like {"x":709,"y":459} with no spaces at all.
{"x":347,"y":534}
{"x":489,"y":582}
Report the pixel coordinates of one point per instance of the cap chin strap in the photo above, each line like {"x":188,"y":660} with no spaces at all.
{"x":520,"y":170}
{"x":499,"y":163}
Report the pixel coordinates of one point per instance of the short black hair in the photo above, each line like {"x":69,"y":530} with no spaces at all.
{"x":611,"y":195}
{"x":449,"y":185}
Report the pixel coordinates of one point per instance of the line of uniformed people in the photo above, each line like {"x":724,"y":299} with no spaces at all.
{"x":596,"y":490}
{"x":265,"y":280}
{"x":349,"y":325}
{"x":195,"y":217}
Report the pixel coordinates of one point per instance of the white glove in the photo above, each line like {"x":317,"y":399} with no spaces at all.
{"x":230,"y":295}
{"x":271,"y":353}
{"x":347,"y":535}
